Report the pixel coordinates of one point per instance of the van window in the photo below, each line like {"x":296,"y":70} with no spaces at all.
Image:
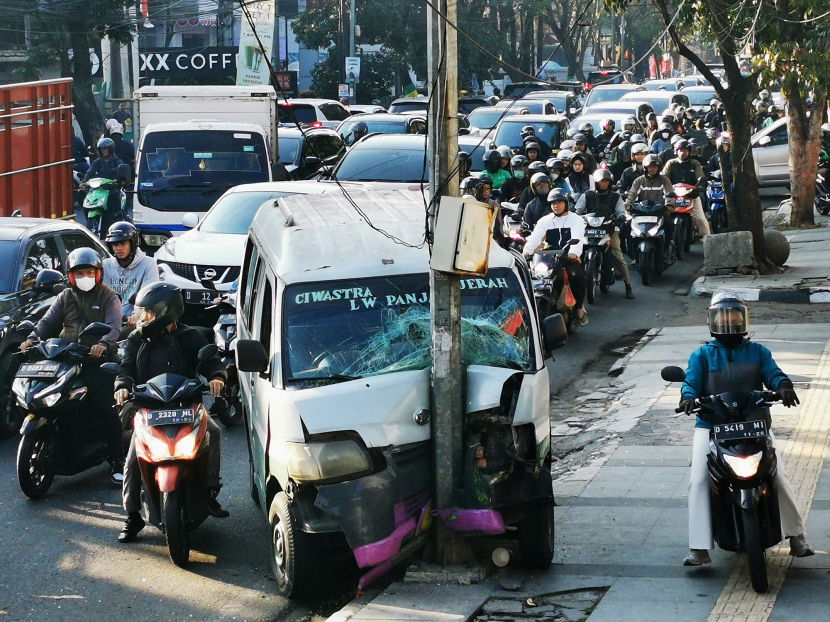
{"x":250,"y":295}
{"x":342,"y":330}
{"x":246,"y":282}
{"x":265,"y":320}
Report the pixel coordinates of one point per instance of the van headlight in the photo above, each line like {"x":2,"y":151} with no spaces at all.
{"x":326,"y":461}
{"x":744,"y":467}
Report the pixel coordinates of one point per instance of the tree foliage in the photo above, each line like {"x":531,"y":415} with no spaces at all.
{"x":59,"y":26}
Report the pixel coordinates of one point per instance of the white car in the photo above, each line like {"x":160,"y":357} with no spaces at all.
{"x":207,"y":258}
{"x":771,"y":153}
{"x":312,"y":112}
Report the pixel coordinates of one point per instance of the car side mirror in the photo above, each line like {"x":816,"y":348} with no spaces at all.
{"x":251,"y":356}
{"x":124,"y":175}
{"x":312,"y":161}
{"x":764,"y":140}
{"x":673,"y":373}
{"x":190,"y":220}
{"x":573,"y":110}
{"x":463,"y":131}
{"x":111,"y":368}
{"x":96,"y":329}
{"x":554,"y":332}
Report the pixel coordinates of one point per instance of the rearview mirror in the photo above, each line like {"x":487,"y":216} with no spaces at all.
{"x":673,"y":374}
{"x":26,"y":326}
{"x":46,"y":280}
{"x":251,"y":356}
{"x":111,"y":368}
{"x":764,"y":141}
{"x":312,"y":161}
{"x":96,"y":329}
{"x":190,"y":220}
{"x":463,"y":131}
{"x":207,"y":352}
{"x":554,"y":333}
{"x":124,"y":175}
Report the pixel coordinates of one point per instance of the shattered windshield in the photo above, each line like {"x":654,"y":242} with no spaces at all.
{"x":343,"y":330}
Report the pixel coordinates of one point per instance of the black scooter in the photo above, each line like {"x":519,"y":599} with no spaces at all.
{"x":545,"y":267}
{"x":648,"y":245}
{"x":742,"y":467}
{"x":598,"y":267}
{"x":57,"y":435}
{"x":228,"y":408}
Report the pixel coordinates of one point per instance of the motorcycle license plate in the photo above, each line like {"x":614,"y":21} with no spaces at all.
{"x":681,"y":203}
{"x":198,"y":296}
{"x":737,"y":431}
{"x":38,"y":370}
{"x":175,"y":416}
{"x":595,"y":232}
{"x":227,"y":318}
{"x":646,"y":219}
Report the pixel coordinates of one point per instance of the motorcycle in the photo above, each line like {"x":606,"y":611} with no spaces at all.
{"x":171,"y":445}
{"x":822,"y":199}
{"x":684,"y":224}
{"x":545,"y":267}
{"x":648,"y":245}
{"x":512,"y":226}
{"x":229,"y":408}
{"x":717,"y":203}
{"x":598,"y":269}
{"x":96,"y":201}
{"x":57,"y":438}
{"x":742,"y":466}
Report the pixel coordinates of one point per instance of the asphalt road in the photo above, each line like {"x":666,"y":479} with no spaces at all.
{"x":61,"y":560}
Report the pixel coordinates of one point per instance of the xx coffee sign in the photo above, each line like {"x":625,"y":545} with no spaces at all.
{"x":178,"y":62}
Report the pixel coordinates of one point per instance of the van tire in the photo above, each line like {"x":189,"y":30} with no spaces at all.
{"x":536,"y":535}
{"x":293,"y":555}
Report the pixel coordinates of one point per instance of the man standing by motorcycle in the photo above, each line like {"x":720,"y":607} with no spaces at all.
{"x":162,"y":345}
{"x":608,"y":204}
{"x":88,"y":300}
{"x":684,"y":170}
{"x":731,"y":362}
{"x":130,"y":268}
{"x":106,"y":166}
{"x":556,"y":230}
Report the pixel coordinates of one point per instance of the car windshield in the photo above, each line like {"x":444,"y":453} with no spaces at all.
{"x":186,"y":171}
{"x":604,"y":77}
{"x":656,"y":86}
{"x":391,"y":126}
{"x":304,"y":113}
{"x":365,"y":163}
{"x":700,"y":98}
{"x":288,"y":149}
{"x":358,"y":328}
{"x":605,"y":95}
{"x":487,"y":118}
{"x":8,"y":257}
{"x":412,"y":106}
{"x":509,"y":133}
{"x":234,"y":212}
{"x":655,"y":98}
{"x":534,"y":106}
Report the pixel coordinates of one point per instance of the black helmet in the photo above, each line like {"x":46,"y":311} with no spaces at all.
{"x":156,"y":307}
{"x":728,"y":315}
{"x":536,"y":181}
{"x":474,"y":187}
{"x":533,"y":145}
{"x":557,"y":195}
{"x":84,"y":257}
{"x":579,"y":157}
{"x":485,"y":180}
{"x":465,"y":163}
{"x":527,"y":130}
{"x":681,"y":144}
{"x":587,"y":129}
{"x":608,"y":125}
{"x":106,"y":143}
{"x":358,"y":130}
{"x":580,"y":138}
{"x":651,"y":117}
{"x":537,"y":166}
{"x":492,"y":160}
{"x":519,"y":164}
{"x":122,"y":232}
{"x":46,"y":280}
{"x":557,"y":165}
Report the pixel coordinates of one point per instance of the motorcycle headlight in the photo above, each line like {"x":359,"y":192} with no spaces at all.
{"x":655,"y":229}
{"x":19,"y":390}
{"x":595,"y":221}
{"x":62,"y":379}
{"x":541,"y":270}
{"x":636,"y":232}
{"x":51,"y":399}
{"x":315,"y":462}
{"x":744,"y":467}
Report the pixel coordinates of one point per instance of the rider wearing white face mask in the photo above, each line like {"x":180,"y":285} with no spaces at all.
{"x":88,"y":300}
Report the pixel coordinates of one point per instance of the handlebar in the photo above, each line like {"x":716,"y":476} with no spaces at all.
{"x":770,"y":398}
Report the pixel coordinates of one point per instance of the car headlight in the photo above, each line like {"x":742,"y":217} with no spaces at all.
{"x":595,"y":221}
{"x":541,"y":269}
{"x":169,"y":246}
{"x":315,"y":462}
{"x":744,"y":467}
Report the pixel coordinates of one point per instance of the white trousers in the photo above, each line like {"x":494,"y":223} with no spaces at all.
{"x":700,"y":521}
{"x":700,"y":218}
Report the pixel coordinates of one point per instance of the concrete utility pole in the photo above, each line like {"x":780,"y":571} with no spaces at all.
{"x":445,"y":288}
{"x":352,"y":23}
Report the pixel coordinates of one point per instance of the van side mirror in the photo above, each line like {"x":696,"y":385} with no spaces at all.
{"x":125,"y":175}
{"x":554,"y":333}
{"x":251,"y":356}
{"x":673,"y":374}
{"x":96,"y":329}
{"x":190,"y":220}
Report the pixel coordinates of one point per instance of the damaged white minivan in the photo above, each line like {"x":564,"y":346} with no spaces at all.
{"x":334,"y":360}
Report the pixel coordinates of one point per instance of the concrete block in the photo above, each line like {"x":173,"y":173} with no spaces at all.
{"x":727,"y":250}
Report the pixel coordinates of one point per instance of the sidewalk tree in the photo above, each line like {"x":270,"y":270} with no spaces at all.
{"x":793,"y":49}
{"x":62,"y":28}
{"x":570,"y":24}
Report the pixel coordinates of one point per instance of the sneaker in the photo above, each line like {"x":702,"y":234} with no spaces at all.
{"x":132,"y":526}
{"x":629,"y":293}
{"x":116,"y":474}
{"x":697,"y":557}
{"x":214,"y":508}
{"x":799,"y":547}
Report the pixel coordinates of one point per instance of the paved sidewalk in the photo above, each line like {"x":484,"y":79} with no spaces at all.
{"x":806,"y":279}
{"x":622,"y":521}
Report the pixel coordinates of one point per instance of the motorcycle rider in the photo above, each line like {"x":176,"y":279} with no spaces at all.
{"x":651,"y":123}
{"x":774,"y":115}
{"x":129,"y":269}
{"x":604,"y":202}
{"x":527,"y":194}
{"x":579,"y":180}
{"x":528,"y":135}
{"x":539,"y":206}
{"x":601,"y":141}
{"x":715,"y":161}
{"x":731,"y":362}
{"x":662,"y":139}
{"x":638,"y":154}
{"x":512,"y":188}
{"x":124,"y":149}
{"x":684,"y":170}
{"x":555,"y":230}
{"x":159,"y":345}
{"x":356,"y":131}
{"x":506,"y":153}
{"x":89,"y":300}
{"x":581,"y":143}
{"x":621,"y":160}
{"x":106,"y":166}
{"x":711,"y":120}
{"x":656,"y":188}
{"x":669,"y":152}
{"x":587,"y":130}
{"x":533,"y":152}
{"x":629,"y":126}
{"x":492,"y":164}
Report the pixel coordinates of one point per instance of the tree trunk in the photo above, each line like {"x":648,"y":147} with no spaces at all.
{"x":86,"y":110}
{"x":805,"y":143}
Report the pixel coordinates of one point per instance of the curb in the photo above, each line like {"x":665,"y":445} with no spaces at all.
{"x":814,"y":295}
{"x":619,"y":367}
{"x":355,"y":605}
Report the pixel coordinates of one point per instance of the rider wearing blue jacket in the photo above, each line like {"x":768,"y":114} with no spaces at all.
{"x":731,"y":362}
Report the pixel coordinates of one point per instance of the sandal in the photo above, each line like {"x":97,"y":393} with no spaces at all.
{"x":582,"y":320}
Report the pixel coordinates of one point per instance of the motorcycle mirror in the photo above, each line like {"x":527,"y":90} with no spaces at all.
{"x":57,"y":288}
{"x":111,"y":368}
{"x":27,"y":325}
{"x":124,"y":175}
{"x":573,"y":242}
{"x":554,"y":332}
{"x":96,"y":329}
{"x":208,"y":352}
{"x":672,"y":373}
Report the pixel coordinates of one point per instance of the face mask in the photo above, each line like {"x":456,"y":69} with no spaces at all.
{"x":519,"y":174}
{"x":730,"y":341}
{"x":85,"y":283}
{"x":665,"y":135}
{"x":554,"y":175}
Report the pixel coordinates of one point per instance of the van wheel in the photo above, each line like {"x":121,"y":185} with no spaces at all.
{"x":293,"y":558}
{"x":536,"y":535}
